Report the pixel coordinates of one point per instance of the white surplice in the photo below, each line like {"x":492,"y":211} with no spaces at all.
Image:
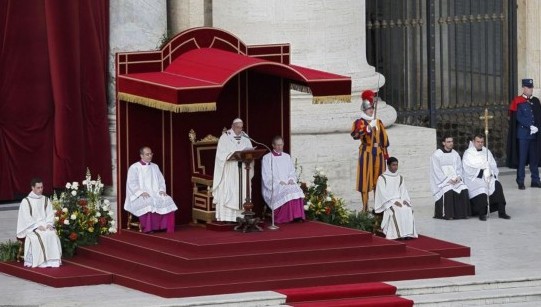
{"x":274,"y":170}
{"x":225,"y":185}
{"x":397,"y":222}
{"x":473,"y":162}
{"x":41,"y":247}
{"x":444,"y":167}
{"x":147,"y":178}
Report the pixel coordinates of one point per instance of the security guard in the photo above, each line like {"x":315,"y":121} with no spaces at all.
{"x":528,"y":119}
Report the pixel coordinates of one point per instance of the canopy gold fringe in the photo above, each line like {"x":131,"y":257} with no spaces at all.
{"x":300,"y":88}
{"x":331,"y":99}
{"x":166,"y":106}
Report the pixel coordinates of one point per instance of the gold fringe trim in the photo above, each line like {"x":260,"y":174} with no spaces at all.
{"x":300,"y":88}
{"x":167,"y":106}
{"x":331,"y":99}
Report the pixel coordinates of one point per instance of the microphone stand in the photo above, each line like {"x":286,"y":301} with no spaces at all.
{"x":273,"y":226}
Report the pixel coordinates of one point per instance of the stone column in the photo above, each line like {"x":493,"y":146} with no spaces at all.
{"x":135,"y":25}
{"x":529,"y":43}
{"x":184,"y":15}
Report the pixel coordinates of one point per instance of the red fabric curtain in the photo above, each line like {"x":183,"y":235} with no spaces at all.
{"x":53,"y":85}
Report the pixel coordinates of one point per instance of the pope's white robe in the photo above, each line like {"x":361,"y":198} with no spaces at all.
{"x":41,"y":247}
{"x":149,"y":179}
{"x":225,"y":185}
{"x":276,"y":169}
{"x":473,"y":162}
{"x":397,"y":222}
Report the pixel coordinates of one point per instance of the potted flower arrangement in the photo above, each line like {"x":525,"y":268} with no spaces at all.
{"x":82,"y":214}
{"x":321,"y":204}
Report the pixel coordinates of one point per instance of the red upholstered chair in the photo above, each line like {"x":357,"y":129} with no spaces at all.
{"x":203,"y":154}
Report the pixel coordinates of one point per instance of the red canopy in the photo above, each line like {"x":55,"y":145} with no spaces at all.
{"x":193,"y":81}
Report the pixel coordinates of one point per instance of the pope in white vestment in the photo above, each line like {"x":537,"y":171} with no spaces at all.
{"x":146,"y":197}
{"x":225,"y":185}
{"x":393,"y":200}
{"x":279,"y":185}
{"x":35,"y":224}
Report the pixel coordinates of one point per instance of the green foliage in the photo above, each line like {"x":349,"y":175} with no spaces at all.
{"x":8,"y":250}
{"x":361,"y":220}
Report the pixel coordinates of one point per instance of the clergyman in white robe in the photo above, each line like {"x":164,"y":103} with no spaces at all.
{"x":228,"y":196}
{"x":146,"y":197}
{"x":36,"y":223}
{"x":446,"y":182}
{"x":481,"y":178}
{"x":393,"y":200}
{"x":279,"y":185}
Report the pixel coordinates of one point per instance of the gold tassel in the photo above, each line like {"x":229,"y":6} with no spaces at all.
{"x":167,"y":106}
{"x":331,"y":99}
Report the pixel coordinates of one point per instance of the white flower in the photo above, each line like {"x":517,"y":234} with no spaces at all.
{"x":318,"y":169}
{"x":111,"y":213}
{"x":98,"y":214}
{"x":322,"y":173}
{"x":309,"y":203}
{"x":73,"y":192}
{"x":66,"y":222}
{"x":306,"y":207}
{"x":105,"y":208}
{"x":64,"y":210}
{"x":328,"y":198}
{"x":113,"y":222}
{"x":73,"y":216}
{"x":106,"y":201}
{"x":112,"y":230}
{"x":85,"y":182}
{"x":101,"y":185}
{"x":328,"y":189}
{"x":68,"y":185}
{"x":56,"y":218}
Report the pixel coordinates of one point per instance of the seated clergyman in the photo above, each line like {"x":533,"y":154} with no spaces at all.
{"x":392,"y":199}
{"x":35,"y":224}
{"x":146,"y":197}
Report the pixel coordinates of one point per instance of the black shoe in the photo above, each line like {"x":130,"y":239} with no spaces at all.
{"x":536,"y":184}
{"x":482,"y":217}
{"x":521,"y":186}
{"x":504,"y":216}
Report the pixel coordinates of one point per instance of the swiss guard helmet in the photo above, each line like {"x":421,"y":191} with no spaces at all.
{"x":367,"y":98}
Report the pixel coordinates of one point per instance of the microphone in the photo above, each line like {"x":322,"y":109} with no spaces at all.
{"x":244,"y":134}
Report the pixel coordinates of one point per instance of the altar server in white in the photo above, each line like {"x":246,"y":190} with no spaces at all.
{"x":35,"y":224}
{"x":393,"y":200}
{"x":481,"y":177}
{"x":448,"y":188}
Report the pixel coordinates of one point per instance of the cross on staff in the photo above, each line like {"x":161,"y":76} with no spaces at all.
{"x":486,"y":117}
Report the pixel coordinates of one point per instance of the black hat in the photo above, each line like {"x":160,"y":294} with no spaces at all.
{"x":527,"y":83}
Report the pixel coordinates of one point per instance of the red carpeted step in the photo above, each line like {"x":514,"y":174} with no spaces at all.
{"x":337,"y":291}
{"x":67,"y":275}
{"x":185,"y":263}
{"x":444,"y":248}
{"x":382,"y":301}
{"x":265,"y":268}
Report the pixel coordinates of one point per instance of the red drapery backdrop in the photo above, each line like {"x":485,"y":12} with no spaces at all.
{"x":53,"y":85}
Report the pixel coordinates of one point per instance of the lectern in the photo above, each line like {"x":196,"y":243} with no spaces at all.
{"x":248,"y":222}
